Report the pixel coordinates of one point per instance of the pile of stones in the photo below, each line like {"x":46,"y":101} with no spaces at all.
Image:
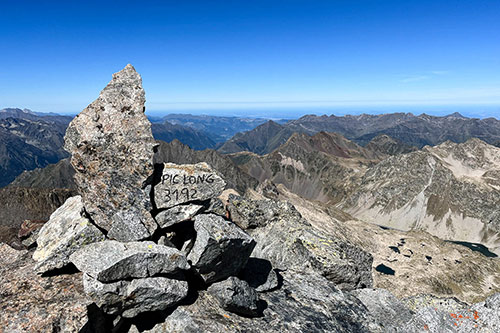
{"x":145,"y":236}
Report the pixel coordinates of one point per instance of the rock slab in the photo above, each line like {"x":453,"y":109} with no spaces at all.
{"x":66,"y":232}
{"x":236,"y":296}
{"x":184,"y":183}
{"x":221,"y":248}
{"x":110,"y":260}
{"x":177,"y":214}
{"x":130,"y":298}
{"x":112,"y":152}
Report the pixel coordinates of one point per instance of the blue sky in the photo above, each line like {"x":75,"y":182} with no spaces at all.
{"x":256,"y":57}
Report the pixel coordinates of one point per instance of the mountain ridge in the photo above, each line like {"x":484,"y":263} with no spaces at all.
{"x":407,"y":128}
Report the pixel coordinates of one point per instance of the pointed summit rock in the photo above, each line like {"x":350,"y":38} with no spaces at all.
{"x":112,"y":152}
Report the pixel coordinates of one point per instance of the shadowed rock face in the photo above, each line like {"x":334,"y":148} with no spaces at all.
{"x":131,"y":298}
{"x":112,"y":152}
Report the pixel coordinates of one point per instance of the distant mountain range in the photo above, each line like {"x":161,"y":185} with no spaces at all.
{"x":219,"y":129}
{"x":195,"y":139}
{"x":30,"y":140}
{"x":407,"y":128}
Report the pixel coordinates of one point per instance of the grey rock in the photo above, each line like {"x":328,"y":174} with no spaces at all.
{"x":216,"y":206}
{"x":128,"y":260}
{"x":445,"y":304}
{"x":235,"y":295}
{"x":65,"y":232}
{"x":184,"y":183}
{"x":259,"y":274}
{"x":112,"y":153}
{"x":187,"y":246}
{"x":305,"y":303}
{"x":153,"y":294}
{"x":290,"y":242}
{"x":221,"y":248}
{"x":108,"y":296}
{"x":177,"y":214}
{"x":389,"y":311}
{"x":248,"y":214}
{"x":130,"y":298}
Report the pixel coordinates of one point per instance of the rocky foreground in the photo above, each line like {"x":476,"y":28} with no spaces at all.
{"x":153,"y":248}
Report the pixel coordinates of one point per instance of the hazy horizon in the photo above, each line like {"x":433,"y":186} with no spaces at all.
{"x":481,"y":112}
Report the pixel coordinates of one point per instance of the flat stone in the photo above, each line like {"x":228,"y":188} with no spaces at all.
{"x":65,"y":232}
{"x":112,"y":152}
{"x":184,"y":183}
{"x":236,"y":296}
{"x":128,"y":260}
{"x":221,"y":248}
{"x":177,"y":214}
{"x":130,"y":298}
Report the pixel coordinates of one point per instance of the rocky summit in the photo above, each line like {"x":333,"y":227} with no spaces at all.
{"x":166,"y":247}
{"x":111,"y":148}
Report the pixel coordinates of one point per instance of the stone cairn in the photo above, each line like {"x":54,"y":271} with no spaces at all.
{"x":143,"y":235}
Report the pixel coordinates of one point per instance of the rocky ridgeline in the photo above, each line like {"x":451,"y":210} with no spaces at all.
{"x":160,"y":252}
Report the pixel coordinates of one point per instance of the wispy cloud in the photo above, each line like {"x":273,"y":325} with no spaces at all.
{"x":415,"y":78}
{"x":439,"y":72}
{"x":426,"y":76}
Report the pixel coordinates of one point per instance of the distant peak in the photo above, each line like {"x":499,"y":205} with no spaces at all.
{"x":455,"y":115}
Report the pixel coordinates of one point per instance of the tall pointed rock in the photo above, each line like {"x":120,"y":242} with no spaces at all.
{"x":112,"y":152}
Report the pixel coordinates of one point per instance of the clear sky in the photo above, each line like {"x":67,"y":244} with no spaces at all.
{"x":261,"y":57}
